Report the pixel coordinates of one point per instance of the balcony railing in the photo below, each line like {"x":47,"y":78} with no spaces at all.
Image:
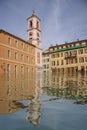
{"x":70,"y":56}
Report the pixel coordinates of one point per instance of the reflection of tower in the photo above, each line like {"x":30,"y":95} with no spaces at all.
{"x":33,"y":31}
{"x":34,"y":107}
{"x":38,"y":84}
{"x":34,"y":112}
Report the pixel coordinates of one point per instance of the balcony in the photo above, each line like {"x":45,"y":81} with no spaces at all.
{"x":71,"y":55}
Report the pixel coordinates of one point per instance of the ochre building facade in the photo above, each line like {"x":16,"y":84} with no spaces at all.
{"x":17,"y":57}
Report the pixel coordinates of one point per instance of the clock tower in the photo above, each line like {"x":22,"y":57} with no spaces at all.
{"x":33,"y":34}
{"x":33,"y":30}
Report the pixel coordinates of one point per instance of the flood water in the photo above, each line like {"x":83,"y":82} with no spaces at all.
{"x":52,"y":102}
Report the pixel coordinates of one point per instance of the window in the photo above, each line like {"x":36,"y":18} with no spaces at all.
{"x":66,"y":54}
{"x":38,"y":39}
{"x":61,"y":62}
{"x":76,"y":60}
{"x":15,"y":71}
{"x":30,"y":24}
{"x":53,"y":56}
{"x":8,"y":90}
{"x":43,"y":60}
{"x":27,"y":59}
{"x":22,"y":46}
{"x":53,"y":63}
{"x":16,"y":43}
{"x":33,"y":60}
{"x":37,"y":25}
{"x":15,"y":55}
{"x":85,"y":50}
{"x":8,"y":71}
{"x":22,"y":57}
{"x":38,"y":57}
{"x":30,"y":38}
{"x":27,"y":48}
{"x":80,"y":43}
{"x":27,"y":74}
{"x":71,"y":61}
{"x":81,"y":51}
{"x":9,"y":40}
{"x":30,"y":34}
{"x":74,"y":53}
{"x":32,"y":50}
{"x":38,"y":34}
{"x":86,"y":59}
{"x":47,"y":60}
{"x":22,"y":71}
{"x":57,"y":54}
{"x":61,"y":54}
{"x":44,"y":66}
{"x":81,"y":59}
{"x":57,"y":62}
{"x":47,"y":66}
{"x":9,"y":54}
{"x":66,"y":61}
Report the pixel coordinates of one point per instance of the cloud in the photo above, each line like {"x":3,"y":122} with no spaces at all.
{"x":61,"y":20}
{"x":66,"y":21}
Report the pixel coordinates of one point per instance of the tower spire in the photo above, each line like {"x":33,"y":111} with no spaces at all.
{"x":33,"y":12}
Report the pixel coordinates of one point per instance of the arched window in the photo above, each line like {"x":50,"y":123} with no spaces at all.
{"x":31,"y":24}
{"x":37,"y":25}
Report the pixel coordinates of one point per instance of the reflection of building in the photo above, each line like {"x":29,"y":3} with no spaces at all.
{"x":38,"y":84}
{"x":17,"y":57}
{"x":34,"y":107}
{"x":14,"y":90}
{"x":45,"y":80}
{"x":68,"y":57}
{"x":10,"y":106}
{"x":33,"y":31}
{"x":18,"y":89}
{"x":66,"y":85}
{"x":45,"y":60}
{"x":34,"y":112}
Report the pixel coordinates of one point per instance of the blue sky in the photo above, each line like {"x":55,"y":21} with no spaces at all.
{"x":61,"y":20}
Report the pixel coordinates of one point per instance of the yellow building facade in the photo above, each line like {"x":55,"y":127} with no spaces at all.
{"x":68,"y":57}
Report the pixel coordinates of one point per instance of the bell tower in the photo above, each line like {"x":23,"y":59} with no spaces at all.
{"x":33,"y":34}
{"x":33,"y":30}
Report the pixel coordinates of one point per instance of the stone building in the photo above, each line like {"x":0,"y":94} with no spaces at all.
{"x":17,"y":57}
{"x":68,"y":57}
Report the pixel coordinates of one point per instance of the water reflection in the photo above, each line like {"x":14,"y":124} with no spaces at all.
{"x":34,"y":112}
{"x":34,"y":107}
{"x":14,"y":91}
{"x":67,"y":86}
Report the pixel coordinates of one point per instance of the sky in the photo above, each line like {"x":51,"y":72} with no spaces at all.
{"x":61,"y":20}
